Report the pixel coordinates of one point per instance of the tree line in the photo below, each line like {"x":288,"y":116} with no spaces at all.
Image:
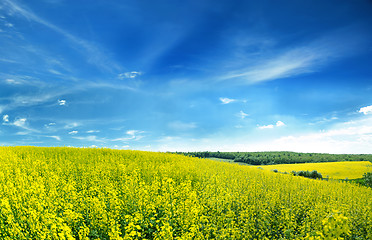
{"x":270,"y":158}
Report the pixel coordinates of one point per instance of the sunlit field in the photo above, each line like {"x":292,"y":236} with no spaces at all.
{"x":69,"y":193}
{"x":335,"y":170}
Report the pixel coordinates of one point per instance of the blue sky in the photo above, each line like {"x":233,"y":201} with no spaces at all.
{"x":187,"y":75}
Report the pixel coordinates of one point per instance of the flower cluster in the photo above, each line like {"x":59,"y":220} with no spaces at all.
{"x":69,"y":193}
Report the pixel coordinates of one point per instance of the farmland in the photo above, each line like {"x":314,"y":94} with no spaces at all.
{"x":70,"y":193}
{"x":335,"y":170}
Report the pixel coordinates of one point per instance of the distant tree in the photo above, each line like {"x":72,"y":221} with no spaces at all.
{"x":368,"y":179}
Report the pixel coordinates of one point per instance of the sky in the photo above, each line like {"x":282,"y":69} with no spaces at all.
{"x":194,"y":75}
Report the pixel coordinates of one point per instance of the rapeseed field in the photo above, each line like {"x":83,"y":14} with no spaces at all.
{"x":335,"y":170}
{"x":69,"y":193}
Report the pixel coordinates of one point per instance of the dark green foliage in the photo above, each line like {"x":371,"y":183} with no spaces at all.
{"x":368,"y":179}
{"x":313,"y":174}
{"x":269,"y":158}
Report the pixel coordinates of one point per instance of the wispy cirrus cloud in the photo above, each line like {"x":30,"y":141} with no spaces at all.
{"x":58,"y":138}
{"x":242,"y":114}
{"x":91,"y":138}
{"x":72,"y":125}
{"x":131,"y":135}
{"x":94,"y":54}
{"x":301,"y":59}
{"x":182,"y":126}
{"x":13,"y":102}
{"x":92,"y":131}
{"x":20,"y":123}
{"x":348,"y":137}
{"x":20,"y":80}
{"x":227,"y":100}
{"x":13,"y":82}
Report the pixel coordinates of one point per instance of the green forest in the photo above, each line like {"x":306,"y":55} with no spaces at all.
{"x":269,"y":158}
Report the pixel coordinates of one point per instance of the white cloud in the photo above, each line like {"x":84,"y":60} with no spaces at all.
{"x":126,"y":75}
{"x":324,"y":120}
{"x":182,"y":126}
{"x":354,"y":137}
{"x":282,"y":67}
{"x":348,"y":137}
{"x":62,"y":102}
{"x":133,"y":135}
{"x":49,"y":125}
{"x":6,"y":118}
{"x":280,"y":124}
{"x":22,"y":133}
{"x":89,"y":139}
{"x":242,"y":114}
{"x":21,"y":122}
{"x":73,"y":132}
{"x":93,"y":131}
{"x":54,"y":72}
{"x":270,"y":126}
{"x":366,"y":110}
{"x":71,"y":125}
{"x":227,"y":100}
{"x":55,"y":137}
{"x":44,"y":96}
{"x":134,"y":132}
{"x":13,"y":82}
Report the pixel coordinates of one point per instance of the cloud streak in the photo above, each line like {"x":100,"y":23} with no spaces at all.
{"x":242,"y":114}
{"x":300,"y":59}
{"x":182,"y":126}
{"x":271,"y":126}
{"x":21,"y":123}
{"x":349,"y":137}
{"x":55,"y":137}
{"x":132,"y":135}
{"x":89,"y":139}
{"x":291,"y":63}
{"x":227,"y":100}
{"x":93,"y":54}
